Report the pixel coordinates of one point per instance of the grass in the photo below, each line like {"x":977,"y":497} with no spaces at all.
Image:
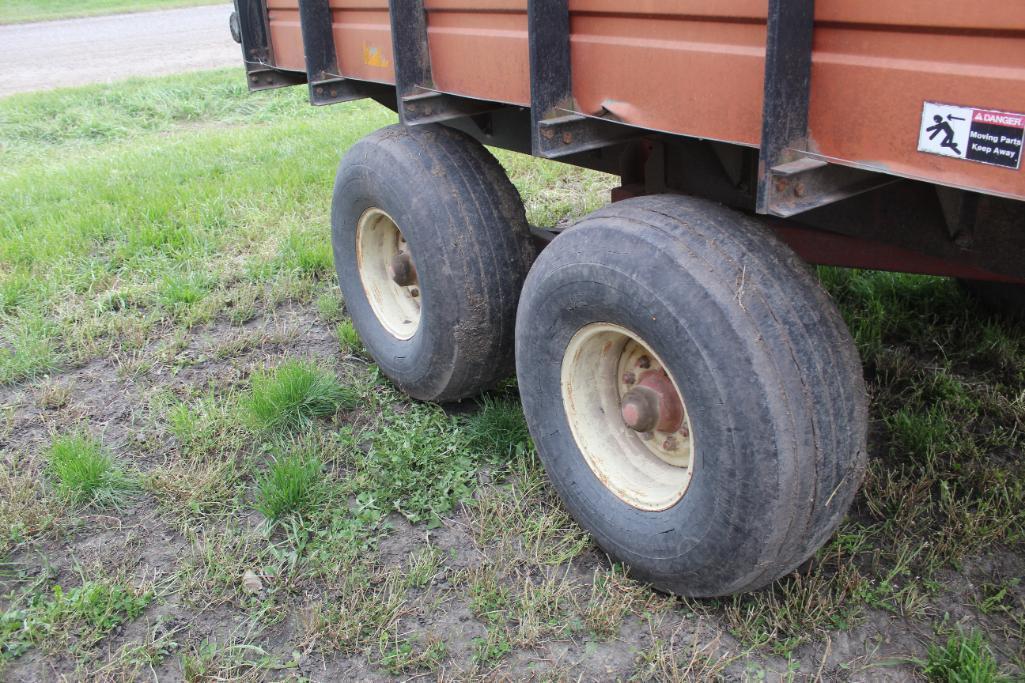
{"x":78,"y":617}
{"x":85,"y":473}
{"x":293,"y":484}
{"x":161,"y":240}
{"x":291,"y":395}
{"x":14,"y":11}
{"x":963,"y":659}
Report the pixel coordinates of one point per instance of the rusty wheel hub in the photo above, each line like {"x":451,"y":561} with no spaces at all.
{"x":388,"y":273}
{"x":627,"y":416}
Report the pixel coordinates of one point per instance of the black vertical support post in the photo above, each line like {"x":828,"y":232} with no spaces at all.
{"x":409,"y":47}
{"x":256,"y":48}
{"x":551,"y":78}
{"x":327,"y":85}
{"x":788,"y":50}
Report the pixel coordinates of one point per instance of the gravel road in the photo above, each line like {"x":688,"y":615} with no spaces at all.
{"x":68,"y":52}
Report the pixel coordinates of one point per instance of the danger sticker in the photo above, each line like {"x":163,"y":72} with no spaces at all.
{"x":982,"y":135}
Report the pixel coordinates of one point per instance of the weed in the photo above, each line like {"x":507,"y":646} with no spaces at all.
{"x":308,"y":253}
{"x":84,"y":614}
{"x":418,"y":464}
{"x":329,"y":306}
{"x":964,"y":659}
{"x":348,"y":338}
{"x":292,"y":485}
{"x":291,"y":395}
{"x":24,"y":510}
{"x":409,"y":655}
{"x":27,"y":349}
{"x":498,"y":430}
{"x":182,"y":291}
{"x":232,"y":661}
{"x":85,"y":473}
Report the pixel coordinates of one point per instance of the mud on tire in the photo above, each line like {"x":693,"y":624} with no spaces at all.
{"x":460,"y":224}
{"x":765,"y":366}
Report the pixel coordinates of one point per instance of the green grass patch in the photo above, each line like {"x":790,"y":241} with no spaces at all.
{"x":84,"y":473}
{"x":290,"y":396}
{"x":293,"y":485}
{"x":348,"y":338}
{"x":963,"y":659}
{"x":77,"y":618}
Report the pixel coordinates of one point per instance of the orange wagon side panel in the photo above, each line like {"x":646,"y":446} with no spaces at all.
{"x":362,"y":32}
{"x":480,"y":49}
{"x":695,"y":67}
{"x":876,"y":62}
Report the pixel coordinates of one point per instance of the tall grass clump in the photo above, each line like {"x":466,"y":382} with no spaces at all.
{"x":290,"y":396}
{"x":85,"y":473}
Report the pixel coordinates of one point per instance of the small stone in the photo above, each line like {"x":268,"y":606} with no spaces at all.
{"x":251,"y":582}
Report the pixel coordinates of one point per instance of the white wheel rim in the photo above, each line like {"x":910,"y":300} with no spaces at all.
{"x":378,"y":242}
{"x":649,"y":470}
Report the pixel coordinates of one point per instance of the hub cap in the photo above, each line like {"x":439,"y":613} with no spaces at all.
{"x":627,"y":416}
{"x":388,"y":273}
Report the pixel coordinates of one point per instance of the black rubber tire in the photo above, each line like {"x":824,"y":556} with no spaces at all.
{"x":465,"y":226}
{"x":1003,"y":298}
{"x":771,"y":378}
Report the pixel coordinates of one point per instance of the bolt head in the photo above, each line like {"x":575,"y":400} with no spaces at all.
{"x":644,"y":362}
{"x":414,"y":292}
{"x":629,"y":378}
{"x":670,"y":444}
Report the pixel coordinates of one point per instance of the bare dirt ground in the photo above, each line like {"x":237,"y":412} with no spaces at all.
{"x":53,"y":54}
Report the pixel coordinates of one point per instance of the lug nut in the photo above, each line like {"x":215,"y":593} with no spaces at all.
{"x":684,"y":432}
{"x":414,"y":292}
{"x":669,"y":444}
{"x":629,"y":378}
{"x":644,"y":362}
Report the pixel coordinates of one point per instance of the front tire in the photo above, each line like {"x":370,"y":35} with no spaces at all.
{"x":769,"y":419}
{"x":431,"y":245}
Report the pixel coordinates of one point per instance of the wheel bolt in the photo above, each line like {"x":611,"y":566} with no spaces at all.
{"x":644,"y":362}
{"x":629,"y":378}
{"x":402,"y":270}
{"x":414,"y":292}
{"x":684,"y":432}
{"x":669,"y":444}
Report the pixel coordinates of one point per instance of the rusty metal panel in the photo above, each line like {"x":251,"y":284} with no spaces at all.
{"x":876,"y":63}
{"x":479,"y":49}
{"x":362,"y":33}
{"x":696,"y":68}
{"x":684,"y":67}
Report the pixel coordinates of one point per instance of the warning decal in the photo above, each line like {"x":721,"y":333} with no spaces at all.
{"x":989,"y":137}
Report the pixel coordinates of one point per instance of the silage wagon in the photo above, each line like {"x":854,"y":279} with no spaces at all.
{"x":694,"y":394}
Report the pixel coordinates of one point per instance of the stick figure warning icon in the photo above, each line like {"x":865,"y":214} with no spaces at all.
{"x":945,"y":130}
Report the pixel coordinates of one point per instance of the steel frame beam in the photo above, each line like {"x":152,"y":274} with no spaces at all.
{"x":558,"y":129}
{"x":327,"y":85}
{"x":790,"y":181}
{"x":419,"y":101}
{"x":256,"y":49}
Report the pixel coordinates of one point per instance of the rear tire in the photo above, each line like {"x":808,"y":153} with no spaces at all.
{"x":774,"y":439}
{"x":432,"y":203}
